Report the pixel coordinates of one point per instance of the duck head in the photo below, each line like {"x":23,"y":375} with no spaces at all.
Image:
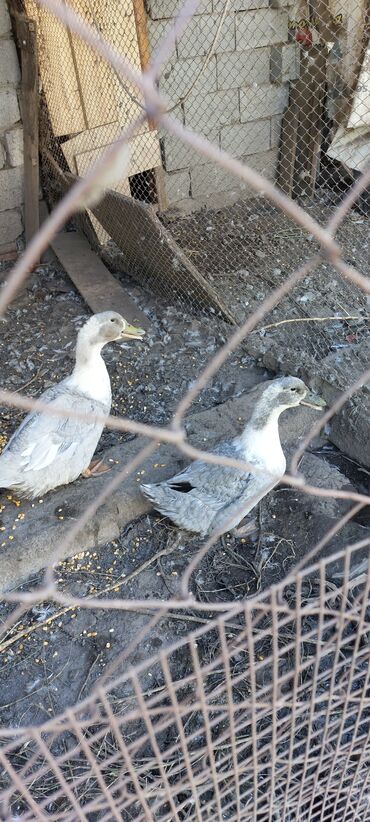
{"x":109,"y":326}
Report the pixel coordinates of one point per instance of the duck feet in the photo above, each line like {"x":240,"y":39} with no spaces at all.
{"x":95,"y":468}
{"x":245,"y":529}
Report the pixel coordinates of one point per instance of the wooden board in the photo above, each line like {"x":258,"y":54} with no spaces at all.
{"x":26,"y":34}
{"x":86,"y":92}
{"x":137,"y":231}
{"x":360,"y":108}
{"x":60,"y":85}
{"x":288,"y":148}
{"x":84,"y":149}
{"x":151,"y":255}
{"x":96,"y":284}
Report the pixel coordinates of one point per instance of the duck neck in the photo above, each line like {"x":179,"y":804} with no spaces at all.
{"x":90,"y":375}
{"x":260,"y":439}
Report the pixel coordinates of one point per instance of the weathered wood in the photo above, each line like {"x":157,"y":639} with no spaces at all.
{"x":152,"y":256}
{"x":144,"y":52}
{"x":57,"y":72}
{"x":149,"y":253}
{"x":26,"y":33}
{"x":96,"y":284}
{"x":288,"y":148}
{"x":308,"y":94}
{"x":8,"y":251}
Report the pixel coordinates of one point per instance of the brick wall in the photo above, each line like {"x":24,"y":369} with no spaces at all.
{"x":11,"y":137}
{"x":237,"y":102}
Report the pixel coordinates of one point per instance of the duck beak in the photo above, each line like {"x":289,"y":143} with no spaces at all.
{"x":132,"y":333}
{"x":314,"y":401}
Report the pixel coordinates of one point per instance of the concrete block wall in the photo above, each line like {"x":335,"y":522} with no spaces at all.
{"x":11,"y":137}
{"x":238,"y":100}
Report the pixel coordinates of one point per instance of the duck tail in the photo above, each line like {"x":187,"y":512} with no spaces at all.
{"x":154,"y":493}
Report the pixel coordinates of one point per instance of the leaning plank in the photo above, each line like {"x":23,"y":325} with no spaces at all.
{"x":151,"y":255}
{"x":96,"y":284}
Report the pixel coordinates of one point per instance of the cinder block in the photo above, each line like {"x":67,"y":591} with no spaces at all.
{"x":290,"y":62}
{"x":11,"y":188}
{"x":208,"y":112}
{"x":177,"y":186}
{"x":9,"y":66}
{"x":14,"y":146}
{"x":276,"y":64}
{"x":166,"y":9}
{"x":177,"y":155}
{"x":9,"y":109}
{"x":237,"y":69}
{"x":265,"y":101}
{"x":4,"y":18}
{"x":179,"y":75}
{"x":246,"y":138}
{"x":211,"y":179}
{"x":199,"y":35}
{"x":285,"y":62}
{"x":261,"y":28}
{"x":240,"y":5}
{"x":2,"y":156}
{"x":10,"y":226}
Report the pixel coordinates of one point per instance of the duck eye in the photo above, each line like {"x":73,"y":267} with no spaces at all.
{"x":294,"y":389}
{"x":112,"y":319}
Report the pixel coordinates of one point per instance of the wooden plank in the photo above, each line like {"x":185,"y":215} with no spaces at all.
{"x":57,"y":72}
{"x":26,"y":32}
{"x":144,"y":52}
{"x":314,"y":116}
{"x":145,"y":149}
{"x":96,"y":284}
{"x":288,"y":148}
{"x":167,"y":271}
{"x":308,"y":95}
{"x":145,"y":154}
{"x":151,"y":255}
{"x":8,"y":252}
{"x":360,"y":106}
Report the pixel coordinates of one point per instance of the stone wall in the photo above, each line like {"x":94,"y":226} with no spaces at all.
{"x":238,"y":100}
{"x":11,"y":138}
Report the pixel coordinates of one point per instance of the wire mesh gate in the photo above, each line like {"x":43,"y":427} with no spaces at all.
{"x":261,"y":715}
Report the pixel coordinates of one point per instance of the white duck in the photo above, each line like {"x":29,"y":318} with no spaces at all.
{"x":47,"y":450}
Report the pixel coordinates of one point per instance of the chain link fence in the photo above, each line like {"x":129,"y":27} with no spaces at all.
{"x":282,"y":87}
{"x":262,"y":714}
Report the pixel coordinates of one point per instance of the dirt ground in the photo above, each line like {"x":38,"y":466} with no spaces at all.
{"x":250,"y":248}
{"x":53,"y":656}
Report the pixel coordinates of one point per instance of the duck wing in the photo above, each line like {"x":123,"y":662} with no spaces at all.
{"x":194,"y":497}
{"x":42,"y":438}
{"x":218,"y":482}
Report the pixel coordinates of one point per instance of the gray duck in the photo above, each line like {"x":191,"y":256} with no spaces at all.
{"x":206,"y":498}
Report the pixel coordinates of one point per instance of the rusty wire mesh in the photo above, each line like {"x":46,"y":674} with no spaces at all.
{"x":269,"y":718}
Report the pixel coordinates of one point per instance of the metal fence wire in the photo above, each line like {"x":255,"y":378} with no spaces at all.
{"x":282,"y":87}
{"x":249,"y":128}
